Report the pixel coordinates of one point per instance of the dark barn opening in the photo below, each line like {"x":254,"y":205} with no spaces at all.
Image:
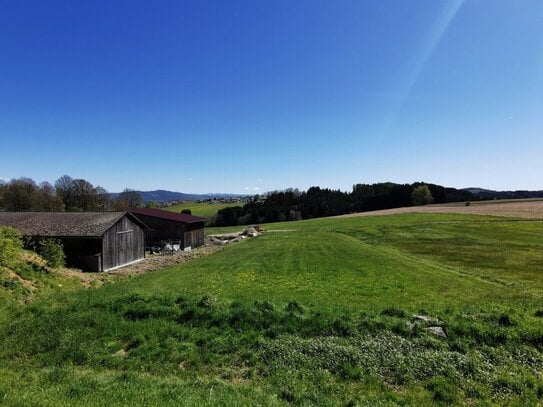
{"x":170,"y":226}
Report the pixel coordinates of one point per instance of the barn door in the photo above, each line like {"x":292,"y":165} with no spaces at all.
{"x":124,"y":247}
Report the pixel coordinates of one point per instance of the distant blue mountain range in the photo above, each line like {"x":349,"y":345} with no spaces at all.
{"x":161,"y":195}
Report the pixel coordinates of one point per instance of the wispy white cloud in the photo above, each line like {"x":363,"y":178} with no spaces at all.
{"x":254,"y":189}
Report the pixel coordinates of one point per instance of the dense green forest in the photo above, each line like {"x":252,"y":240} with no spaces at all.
{"x":316,"y":202}
{"x":67,"y":194}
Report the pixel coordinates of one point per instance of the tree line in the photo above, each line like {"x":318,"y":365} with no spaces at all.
{"x":292,"y":204}
{"x":67,"y":194}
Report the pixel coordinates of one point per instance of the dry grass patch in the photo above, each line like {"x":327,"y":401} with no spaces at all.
{"x":151,"y":263}
{"x":523,"y":209}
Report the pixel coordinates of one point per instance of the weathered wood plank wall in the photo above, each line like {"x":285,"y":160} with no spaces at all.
{"x":123,"y":243}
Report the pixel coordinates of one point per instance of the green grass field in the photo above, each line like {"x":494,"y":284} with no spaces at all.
{"x":315,"y":312}
{"x":202,"y":209}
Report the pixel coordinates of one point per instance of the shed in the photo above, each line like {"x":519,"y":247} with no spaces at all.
{"x":169,"y":226}
{"x":93,"y":241}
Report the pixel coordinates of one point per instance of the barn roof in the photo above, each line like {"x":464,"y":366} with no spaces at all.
{"x":162,"y":214}
{"x":64,"y":224}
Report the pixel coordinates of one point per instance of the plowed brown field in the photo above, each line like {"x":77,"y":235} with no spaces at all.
{"x":521,"y":209}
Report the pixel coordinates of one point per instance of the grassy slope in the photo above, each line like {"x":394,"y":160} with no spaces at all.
{"x":334,"y":330}
{"x":202,"y":209}
{"x":29,"y":279}
{"x":370,"y":262}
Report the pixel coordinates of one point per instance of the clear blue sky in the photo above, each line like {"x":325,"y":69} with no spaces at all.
{"x":249,"y":96}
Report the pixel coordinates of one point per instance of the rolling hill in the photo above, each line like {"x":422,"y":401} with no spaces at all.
{"x":160,"y":195}
{"x":329,"y":311}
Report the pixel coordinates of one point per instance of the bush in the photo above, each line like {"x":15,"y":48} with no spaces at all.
{"x":52,"y":252}
{"x":11,"y":245}
{"x":468,"y":203}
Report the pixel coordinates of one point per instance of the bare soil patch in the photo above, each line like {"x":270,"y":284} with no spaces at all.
{"x":525,"y":209}
{"x":152,"y":262}
{"x":157,"y":261}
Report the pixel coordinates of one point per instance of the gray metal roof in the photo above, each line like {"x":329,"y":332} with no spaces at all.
{"x":63,"y":224}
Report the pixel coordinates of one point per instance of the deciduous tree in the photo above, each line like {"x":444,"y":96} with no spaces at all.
{"x":128,"y":199}
{"x":421,"y":195}
{"x":20,"y":195}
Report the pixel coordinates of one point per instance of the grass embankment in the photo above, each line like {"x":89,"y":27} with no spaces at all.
{"x":25,"y":276}
{"x":207,"y":210}
{"x":319,"y":314}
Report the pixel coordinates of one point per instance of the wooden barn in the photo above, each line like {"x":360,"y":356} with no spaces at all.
{"x":93,"y":241}
{"x":170,"y":226}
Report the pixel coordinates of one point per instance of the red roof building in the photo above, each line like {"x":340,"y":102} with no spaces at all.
{"x":170,"y":226}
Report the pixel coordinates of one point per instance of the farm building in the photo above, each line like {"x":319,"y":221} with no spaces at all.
{"x":93,"y":241}
{"x":171,"y":226}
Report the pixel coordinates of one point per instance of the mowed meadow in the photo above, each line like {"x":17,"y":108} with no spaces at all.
{"x":330,"y":311}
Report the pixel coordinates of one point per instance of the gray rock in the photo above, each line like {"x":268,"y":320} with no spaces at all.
{"x":436,"y":330}
{"x":251,"y":232}
{"x":423,"y":318}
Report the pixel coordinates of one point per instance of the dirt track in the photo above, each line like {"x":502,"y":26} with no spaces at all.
{"x":525,"y":209}
{"x":151,"y":263}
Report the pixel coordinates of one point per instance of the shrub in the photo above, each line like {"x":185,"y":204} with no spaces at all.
{"x":468,"y":203}
{"x":11,"y":245}
{"x":52,"y":252}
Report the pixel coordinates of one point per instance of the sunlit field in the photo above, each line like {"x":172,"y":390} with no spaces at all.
{"x":329,"y":311}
